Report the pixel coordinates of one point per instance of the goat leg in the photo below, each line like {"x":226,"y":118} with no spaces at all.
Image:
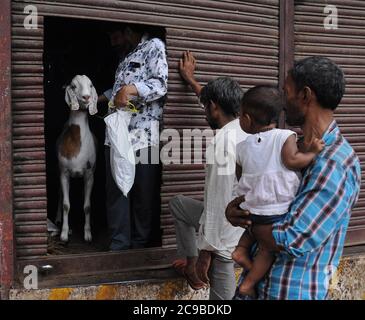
{"x":65,"y":185}
{"x":88,"y":186}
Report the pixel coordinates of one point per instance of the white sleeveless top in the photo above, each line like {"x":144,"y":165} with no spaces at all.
{"x":268,"y":186}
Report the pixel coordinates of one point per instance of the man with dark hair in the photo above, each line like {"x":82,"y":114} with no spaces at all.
{"x":207,"y":259}
{"x":323,"y":76}
{"x":225,"y":92}
{"x":308,"y":243}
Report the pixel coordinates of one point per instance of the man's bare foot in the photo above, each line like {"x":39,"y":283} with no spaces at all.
{"x":246,"y":290}
{"x":192,"y":278}
{"x":241,"y":256}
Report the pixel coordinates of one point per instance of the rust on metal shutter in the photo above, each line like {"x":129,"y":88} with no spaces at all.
{"x":346,"y":46}
{"x":230,"y":38}
{"x":29,"y":170}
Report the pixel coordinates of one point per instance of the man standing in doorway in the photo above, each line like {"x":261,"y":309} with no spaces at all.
{"x":141,"y":78}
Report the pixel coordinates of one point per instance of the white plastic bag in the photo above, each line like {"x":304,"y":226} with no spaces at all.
{"x":122,"y":160}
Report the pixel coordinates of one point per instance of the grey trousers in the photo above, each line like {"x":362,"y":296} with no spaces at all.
{"x":187,"y":213}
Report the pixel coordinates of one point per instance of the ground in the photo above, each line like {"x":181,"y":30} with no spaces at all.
{"x":348,"y":284}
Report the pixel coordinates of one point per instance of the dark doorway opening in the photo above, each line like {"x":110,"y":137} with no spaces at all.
{"x":72,"y":47}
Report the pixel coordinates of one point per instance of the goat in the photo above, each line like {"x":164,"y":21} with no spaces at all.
{"x":76,"y":150}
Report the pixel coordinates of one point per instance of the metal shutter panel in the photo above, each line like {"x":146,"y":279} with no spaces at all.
{"x":29,"y":175}
{"x":346,"y":46}
{"x":230,"y":37}
{"x":241,"y":41}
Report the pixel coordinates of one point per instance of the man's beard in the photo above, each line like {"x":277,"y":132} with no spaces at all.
{"x":295,"y":117}
{"x":213,"y":124}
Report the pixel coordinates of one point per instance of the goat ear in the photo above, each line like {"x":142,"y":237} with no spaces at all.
{"x":71,"y":99}
{"x":93,"y":108}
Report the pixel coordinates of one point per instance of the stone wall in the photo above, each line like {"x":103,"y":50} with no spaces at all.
{"x":349,"y":282}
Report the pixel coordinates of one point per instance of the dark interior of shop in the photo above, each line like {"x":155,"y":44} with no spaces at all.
{"x":72,"y":47}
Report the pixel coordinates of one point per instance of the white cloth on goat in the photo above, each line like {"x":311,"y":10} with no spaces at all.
{"x":122,"y":159}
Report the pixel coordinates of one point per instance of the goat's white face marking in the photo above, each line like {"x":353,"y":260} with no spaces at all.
{"x":81,"y":94}
{"x":81,"y":86}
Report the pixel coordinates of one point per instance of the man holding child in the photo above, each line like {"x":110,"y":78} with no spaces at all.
{"x":299,"y":249}
{"x":308,"y":242}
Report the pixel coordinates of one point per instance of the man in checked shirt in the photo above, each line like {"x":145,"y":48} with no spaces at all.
{"x":308,"y":243}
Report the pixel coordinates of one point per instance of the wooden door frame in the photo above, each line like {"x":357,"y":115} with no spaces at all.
{"x":7,"y":248}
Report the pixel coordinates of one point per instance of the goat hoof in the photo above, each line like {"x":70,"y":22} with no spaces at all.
{"x":87,"y":236}
{"x":64,"y":237}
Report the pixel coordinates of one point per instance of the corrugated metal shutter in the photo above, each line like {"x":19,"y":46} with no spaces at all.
{"x":30,"y":199}
{"x":234,"y":38}
{"x":242,"y":41}
{"x":346,"y":46}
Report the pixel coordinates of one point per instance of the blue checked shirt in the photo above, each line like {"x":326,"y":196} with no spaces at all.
{"x":313,"y":233}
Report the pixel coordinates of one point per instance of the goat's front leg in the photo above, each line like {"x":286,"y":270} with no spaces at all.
{"x":65,"y":185}
{"x":88,"y":185}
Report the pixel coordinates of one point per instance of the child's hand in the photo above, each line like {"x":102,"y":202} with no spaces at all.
{"x":316,"y":146}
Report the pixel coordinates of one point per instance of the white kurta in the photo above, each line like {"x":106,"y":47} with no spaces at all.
{"x":216,"y":233}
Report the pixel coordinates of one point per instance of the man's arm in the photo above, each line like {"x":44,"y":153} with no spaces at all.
{"x":314,"y":213}
{"x":122,"y":97}
{"x":103,"y":100}
{"x":155,"y":87}
{"x":187,"y":68}
{"x":313,"y":216}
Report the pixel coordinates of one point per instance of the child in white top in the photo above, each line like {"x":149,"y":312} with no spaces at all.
{"x":266,"y":162}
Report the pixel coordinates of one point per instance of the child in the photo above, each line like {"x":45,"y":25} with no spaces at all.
{"x":267,"y":159}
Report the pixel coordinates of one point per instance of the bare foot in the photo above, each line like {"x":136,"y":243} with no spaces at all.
{"x":192,"y":278}
{"x":242,"y":257}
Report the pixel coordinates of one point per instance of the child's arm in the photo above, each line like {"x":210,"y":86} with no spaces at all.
{"x":293,"y":159}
